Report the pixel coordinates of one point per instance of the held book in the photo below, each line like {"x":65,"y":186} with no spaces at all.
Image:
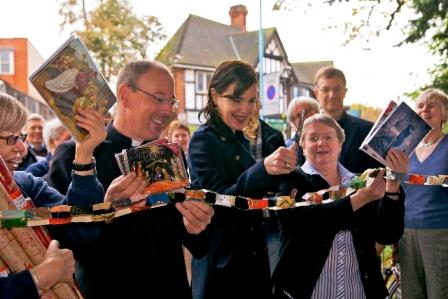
{"x":70,"y":79}
{"x":399,"y":127}
{"x":160,"y":163}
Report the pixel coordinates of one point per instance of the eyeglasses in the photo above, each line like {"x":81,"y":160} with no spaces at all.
{"x":335,"y":90}
{"x":327,"y":138}
{"x":174,"y":103}
{"x":12,"y":139}
{"x":237,"y":100}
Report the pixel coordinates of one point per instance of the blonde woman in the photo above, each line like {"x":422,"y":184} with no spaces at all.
{"x":423,"y":249}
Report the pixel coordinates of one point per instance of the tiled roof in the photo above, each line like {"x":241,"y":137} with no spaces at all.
{"x":305,"y":71}
{"x":203,"y":42}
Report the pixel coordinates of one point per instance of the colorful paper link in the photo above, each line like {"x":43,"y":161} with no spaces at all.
{"x":105,"y":212}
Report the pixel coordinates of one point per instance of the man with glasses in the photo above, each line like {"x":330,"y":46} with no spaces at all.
{"x":330,"y":89}
{"x":149,"y":241}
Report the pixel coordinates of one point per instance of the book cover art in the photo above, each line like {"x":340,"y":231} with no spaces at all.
{"x":402,"y":129}
{"x":159,"y":163}
{"x":70,"y":78}
{"x":383,"y":115}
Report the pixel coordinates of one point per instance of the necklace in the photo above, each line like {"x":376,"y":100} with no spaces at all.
{"x":426,"y":145}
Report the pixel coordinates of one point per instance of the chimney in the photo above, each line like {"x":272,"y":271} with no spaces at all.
{"x":238,"y":15}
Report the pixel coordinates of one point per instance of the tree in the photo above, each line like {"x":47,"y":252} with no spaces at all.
{"x":421,"y":21}
{"x":111,"y":31}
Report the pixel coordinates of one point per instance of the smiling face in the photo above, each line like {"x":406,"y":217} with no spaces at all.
{"x":11,"y":154}
{"x":308,"y":111}
{"x":236,"y":112}
{"x":143,"y":116}
{"x":34,"y":129}
{"x":321,"y":145}
{"x":430,"y":111}
{"x":182,"y":137}
{"x":330,"y":92}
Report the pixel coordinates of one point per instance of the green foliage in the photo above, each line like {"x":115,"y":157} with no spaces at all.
{"x":426,"y":21}
{"x":111,"y":31}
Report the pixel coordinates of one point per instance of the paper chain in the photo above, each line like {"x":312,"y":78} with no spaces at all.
{"x":420,"y":179}
{"x":106,"y":212}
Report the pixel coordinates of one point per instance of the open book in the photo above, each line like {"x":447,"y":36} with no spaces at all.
{"x":160,"y":163}
{"x":70,"y":78}
{"x":399,"y":127}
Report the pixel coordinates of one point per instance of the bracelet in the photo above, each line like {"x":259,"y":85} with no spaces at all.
{"x":394,"y":176}
{"x":84,"y":167}
{"x":36,"y":281}
{"x":392,"y":193}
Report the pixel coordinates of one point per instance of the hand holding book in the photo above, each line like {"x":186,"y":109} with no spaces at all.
{"x":159,"y":164}
{"x":70,"y":79}
{"x":399,"y":127}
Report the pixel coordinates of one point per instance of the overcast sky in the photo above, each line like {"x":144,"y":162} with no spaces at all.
{"x":375,"y":73}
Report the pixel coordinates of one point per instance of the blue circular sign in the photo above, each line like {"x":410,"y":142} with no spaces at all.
{"x":270,"y":92}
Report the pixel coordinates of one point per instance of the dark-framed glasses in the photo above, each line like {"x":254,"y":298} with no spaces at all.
{"x":174,"y":103}
{"x":12,"y":139}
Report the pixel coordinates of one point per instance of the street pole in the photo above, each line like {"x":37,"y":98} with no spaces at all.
{"x":261,"y":60}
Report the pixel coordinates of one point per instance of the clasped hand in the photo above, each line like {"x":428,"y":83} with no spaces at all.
{"x":196,"y":214}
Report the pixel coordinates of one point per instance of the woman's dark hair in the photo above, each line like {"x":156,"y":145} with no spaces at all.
{"x":227,"y":73}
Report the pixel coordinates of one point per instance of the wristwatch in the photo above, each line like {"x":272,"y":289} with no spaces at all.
{"x":84,"y":167}
{"x":394,"y":176}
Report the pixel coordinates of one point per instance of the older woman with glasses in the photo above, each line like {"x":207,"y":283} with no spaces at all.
{"x":331,"y":259}
{"x":58,"y":265}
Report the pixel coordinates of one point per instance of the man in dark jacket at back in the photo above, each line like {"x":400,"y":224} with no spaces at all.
{"x":330,"y":89}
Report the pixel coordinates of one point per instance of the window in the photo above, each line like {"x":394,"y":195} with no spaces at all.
{"x":202,"y":81}
{"x":189,"y":96}
{"x":6,"y":61}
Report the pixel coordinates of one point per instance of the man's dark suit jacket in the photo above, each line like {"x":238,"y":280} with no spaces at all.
{"x":356,"y":130}
{"x":136,"y":255}
{"x":31,"y":157}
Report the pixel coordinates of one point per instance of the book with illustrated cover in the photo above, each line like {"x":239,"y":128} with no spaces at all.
{"x":69,"y":79}
{"x":400,"y":128}
{"x":159,"y":163}
{"x":383,"y":115}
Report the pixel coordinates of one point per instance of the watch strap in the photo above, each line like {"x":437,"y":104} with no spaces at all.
{"x":84,"y":167}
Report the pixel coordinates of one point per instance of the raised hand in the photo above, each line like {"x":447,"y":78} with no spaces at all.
{"x":374,"y":191}
{"x":94,"y":122}
{"x":397,"y":161}
{"x":282,"y":161}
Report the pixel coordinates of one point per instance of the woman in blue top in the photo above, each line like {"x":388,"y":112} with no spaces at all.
{"x":58,"y":265}
{"x":423,"y":249}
